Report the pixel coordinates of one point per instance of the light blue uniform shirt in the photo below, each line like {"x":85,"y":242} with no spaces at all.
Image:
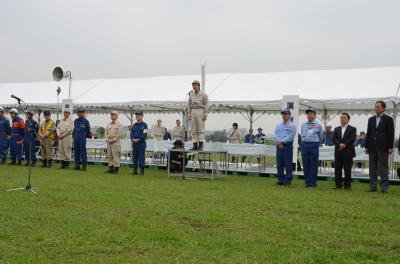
{"x":312,"y":132}
{"x":285,"y":132}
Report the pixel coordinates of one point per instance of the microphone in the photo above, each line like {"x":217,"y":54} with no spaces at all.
{"x":17,"y":98}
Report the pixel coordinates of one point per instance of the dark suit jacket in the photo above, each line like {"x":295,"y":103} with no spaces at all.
{"x":348,"y":139}
{"x":380,"y":138}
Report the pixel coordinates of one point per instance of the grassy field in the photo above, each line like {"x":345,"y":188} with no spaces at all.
{"x":94,"y":217}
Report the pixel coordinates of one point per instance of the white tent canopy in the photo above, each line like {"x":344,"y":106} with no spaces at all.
{"x":228,"y":93}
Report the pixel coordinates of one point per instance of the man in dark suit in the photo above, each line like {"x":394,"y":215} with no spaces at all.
{"x":344,"y":137}
{"x":379,"y":145}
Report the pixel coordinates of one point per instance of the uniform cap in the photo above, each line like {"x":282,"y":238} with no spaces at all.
{"x":13,"y":110}
{"x":80,"y":110}
{"x":196,"y":82}
{"x":285,"y":111}
{"x":311,"y":110}
{"x":139,"y":113}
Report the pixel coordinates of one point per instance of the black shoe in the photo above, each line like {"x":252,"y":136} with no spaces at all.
{"x":141,"y":171}
{"x":84,"y":167}
{"x":135,"y":171}
{"x":370,"y":190}
{"x":195,"y":146}
{"x":66,"y":165}
{"x":116,"y":170}
{"x":20,"y":163}
{"x":279,"y":183}
{"x":12,"y":162}
{"x":201,"y":145}
{"x":384,"y":191}
{"x":62,"y":164}
{"x":44,"y":164}
{"x":49,"y":162}
{"x":3,"y":161}
{"x":110,"y":169}
{"x":77,"y":167}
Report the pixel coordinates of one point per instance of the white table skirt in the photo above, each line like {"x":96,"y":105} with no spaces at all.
{"x":325,"y":153}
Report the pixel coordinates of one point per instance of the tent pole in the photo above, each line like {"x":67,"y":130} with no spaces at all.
{"x":251,"y":119}
{"x":393,"y":161}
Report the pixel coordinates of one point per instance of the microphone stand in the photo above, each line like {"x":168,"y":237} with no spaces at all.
{"x":28,"y":187}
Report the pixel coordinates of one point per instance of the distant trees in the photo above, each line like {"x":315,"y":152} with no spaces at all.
{"x":217,"y":136}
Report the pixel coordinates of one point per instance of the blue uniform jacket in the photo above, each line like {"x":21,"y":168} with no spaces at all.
{"x":5,"y":127}
{"x":31,"y":129}
{"x":139,"y":131}
{"x":81,"y":128}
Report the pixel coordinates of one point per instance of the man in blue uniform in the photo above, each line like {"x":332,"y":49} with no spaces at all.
{"x":5,"y":131}
{"x":328,"y":136}
{"x":17,"y":137}
{"x":138,"y":138}
{"x":284,"y":136}
{"x":260,"y":136}
{"x":30,"y":135}
{"x":312,"y":134}
{"x":81,"y":132}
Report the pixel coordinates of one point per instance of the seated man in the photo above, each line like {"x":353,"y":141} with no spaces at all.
{"x":176,"y":158}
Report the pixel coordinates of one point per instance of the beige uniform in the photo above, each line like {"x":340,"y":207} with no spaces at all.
{"x":158,"y":132}
{"x":198,"y":109}
{"x":178,"y":133}
{"x":64,"y":132}
{"x":235,"y":137}
{"x":46,"y":134}
{"x":114,"y":132}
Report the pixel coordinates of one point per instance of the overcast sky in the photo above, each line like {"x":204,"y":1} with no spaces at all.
{"x":123,"y":39}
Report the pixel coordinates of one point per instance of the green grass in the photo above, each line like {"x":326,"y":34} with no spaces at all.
{"x":94,"y":217}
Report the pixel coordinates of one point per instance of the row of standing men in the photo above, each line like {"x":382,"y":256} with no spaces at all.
{"x":379,"y":142}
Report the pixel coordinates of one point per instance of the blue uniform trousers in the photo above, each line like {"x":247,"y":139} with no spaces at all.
{"x":310,"y":155}
{"x":3,"y":146}
{"x":139,"y":151}
{"x":30,"y":145}
{"x":16,"y":147}
{"x":80,"y":153}
{"x":284,"y":162}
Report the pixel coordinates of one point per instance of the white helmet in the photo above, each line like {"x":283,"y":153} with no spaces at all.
{"x":13,"y":110}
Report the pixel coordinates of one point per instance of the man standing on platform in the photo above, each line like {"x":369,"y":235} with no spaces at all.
{"x":114,"y":133}
{"x":158,"y":130}
{"x":46,"y":135}
{"x":138,"y":138}
{"x":178,"y":133}
{"x":312,"y":134}
{"x":197,"y":109}
{"x":64,"y":133}
{"x":285,"y":133}
{"x":17,"y":137}
{"x":379,"y":143}
{"x":344,"y":138}
{"x":31,"y":128}
{"x":5,"y":132}
{"x":81,"y":132}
